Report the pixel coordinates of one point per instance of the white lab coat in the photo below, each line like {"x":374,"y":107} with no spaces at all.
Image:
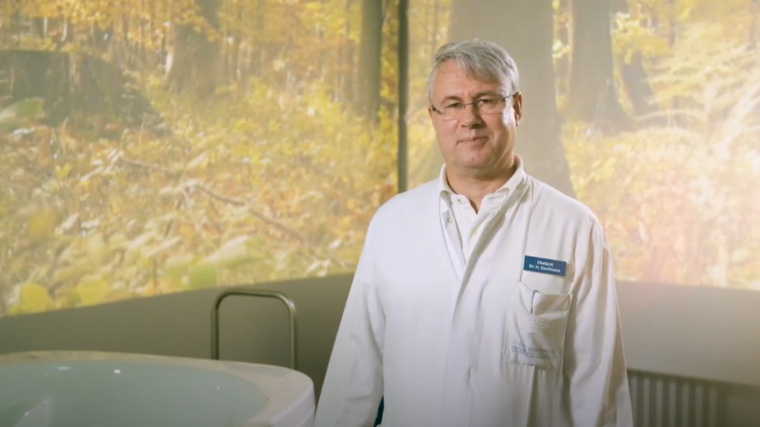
{"x":484,"y":343}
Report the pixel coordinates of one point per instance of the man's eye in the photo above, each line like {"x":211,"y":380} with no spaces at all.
{"x":453,"y":106}
{"x":486,"y":101}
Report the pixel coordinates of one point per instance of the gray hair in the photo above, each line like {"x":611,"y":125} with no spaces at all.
{"x":480,"y":60}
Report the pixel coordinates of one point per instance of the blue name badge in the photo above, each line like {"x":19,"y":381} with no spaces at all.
{"x":543,"y":265}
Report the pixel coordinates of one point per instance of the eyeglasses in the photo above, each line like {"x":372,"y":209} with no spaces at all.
{"x":486,"y":106}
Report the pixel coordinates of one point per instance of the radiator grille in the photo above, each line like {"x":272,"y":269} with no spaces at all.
{"x":667,"y":401}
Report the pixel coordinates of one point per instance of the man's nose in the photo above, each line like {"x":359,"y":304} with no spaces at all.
{"x":470,"y":117}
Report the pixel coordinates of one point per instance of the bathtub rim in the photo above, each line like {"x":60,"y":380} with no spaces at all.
{"x":295,"y":395}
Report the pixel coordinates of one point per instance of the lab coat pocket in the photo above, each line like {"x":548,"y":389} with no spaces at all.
{"x":536,"y":327}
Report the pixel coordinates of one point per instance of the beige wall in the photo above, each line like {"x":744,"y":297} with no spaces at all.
{"x":692,"y":331}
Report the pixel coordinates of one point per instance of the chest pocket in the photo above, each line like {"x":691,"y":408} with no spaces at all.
{"x":536,"y":327}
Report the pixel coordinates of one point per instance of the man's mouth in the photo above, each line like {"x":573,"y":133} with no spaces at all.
{"x":471,"y":139}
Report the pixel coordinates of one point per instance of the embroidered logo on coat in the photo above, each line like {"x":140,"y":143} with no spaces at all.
{"x":533,"y":352}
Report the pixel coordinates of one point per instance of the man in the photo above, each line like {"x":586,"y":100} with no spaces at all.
{"x":484,"y":298}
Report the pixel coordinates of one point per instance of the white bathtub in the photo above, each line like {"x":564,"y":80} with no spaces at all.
{"x":94,"y":389}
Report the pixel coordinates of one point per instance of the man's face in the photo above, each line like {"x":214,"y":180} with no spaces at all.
{"x":475,"y":143}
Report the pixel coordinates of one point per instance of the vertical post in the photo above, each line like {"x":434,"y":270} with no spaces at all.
{"x":260,"y":294}
{"x":403,"y":94}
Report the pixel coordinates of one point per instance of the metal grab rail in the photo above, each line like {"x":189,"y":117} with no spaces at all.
{"x":253,"y":293}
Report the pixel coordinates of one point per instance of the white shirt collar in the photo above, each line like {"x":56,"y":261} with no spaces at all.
{"x":508,"y":188}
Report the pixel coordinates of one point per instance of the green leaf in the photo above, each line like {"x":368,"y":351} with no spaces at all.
{"x":202,"y":276}
{"x":22,"y":113}
{"x":177,"y":265}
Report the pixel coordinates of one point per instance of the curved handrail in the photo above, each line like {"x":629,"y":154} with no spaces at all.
{"x":253,"y":293}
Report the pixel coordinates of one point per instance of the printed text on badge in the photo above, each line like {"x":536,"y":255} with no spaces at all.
{"x":543,"y":265}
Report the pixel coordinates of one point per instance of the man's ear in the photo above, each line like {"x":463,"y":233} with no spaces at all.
{"x":517,"y":107}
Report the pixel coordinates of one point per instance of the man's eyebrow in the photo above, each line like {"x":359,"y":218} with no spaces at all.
{"x":477,"y":95}
{"x":487,"y":93}
{"x":451,"y":98}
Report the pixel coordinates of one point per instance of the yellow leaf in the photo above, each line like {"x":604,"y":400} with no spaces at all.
{"x":41,"y":224}
{"x":62,"y":172}
{"x":92,"y":291}
{"x":34,"y":298}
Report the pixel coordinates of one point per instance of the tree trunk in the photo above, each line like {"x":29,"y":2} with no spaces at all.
{"x":235,"y":66}
{"x":346,"y":57}
{"x":635,"y":80}
{"x":259,"y":45}
{"x":672,"y":38}
{"x":638,"y":89}
{"x":195,"y":57}
{"x":563,"y":35}
{"x":525,"y":29}
{"x":592,"y":96}
{"x":368,"y":100}
{"x":39,"y":28}
{"x":434,"y":36}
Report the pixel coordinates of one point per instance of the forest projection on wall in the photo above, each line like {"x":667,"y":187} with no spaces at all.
{"x":150,"y":147}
